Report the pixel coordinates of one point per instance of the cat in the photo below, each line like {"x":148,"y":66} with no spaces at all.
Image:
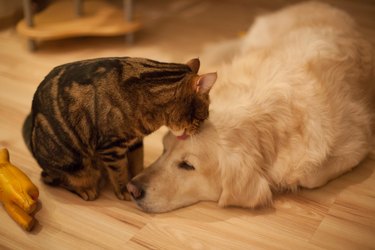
{"x":87,"y":116}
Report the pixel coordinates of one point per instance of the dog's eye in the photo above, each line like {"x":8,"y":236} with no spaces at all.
{"x":186,"y":165}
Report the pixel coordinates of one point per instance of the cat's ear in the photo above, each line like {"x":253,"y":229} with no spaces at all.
{"x":205,"y":82}
{"x":194,"y":65}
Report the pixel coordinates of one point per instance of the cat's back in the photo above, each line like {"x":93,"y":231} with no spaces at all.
{"x":84,"y":72}
{"x":77,"y":82}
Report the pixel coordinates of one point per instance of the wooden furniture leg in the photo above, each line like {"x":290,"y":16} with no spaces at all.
{"x":28,"y":12}
{"x":128,"y":15}
{"x":79,"y":8}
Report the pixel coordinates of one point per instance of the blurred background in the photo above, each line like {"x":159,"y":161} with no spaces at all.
{"x":171,"y":29}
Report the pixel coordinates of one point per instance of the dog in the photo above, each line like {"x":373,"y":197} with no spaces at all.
{"x":292,"y":109}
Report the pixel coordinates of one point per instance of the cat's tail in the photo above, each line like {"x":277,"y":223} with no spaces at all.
{"x":26,"y":131}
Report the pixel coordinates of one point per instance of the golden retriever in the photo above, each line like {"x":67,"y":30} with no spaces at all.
{"x":292,"y":109}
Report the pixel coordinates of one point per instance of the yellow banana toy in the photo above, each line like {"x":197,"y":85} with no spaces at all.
{"x":17,"y":193}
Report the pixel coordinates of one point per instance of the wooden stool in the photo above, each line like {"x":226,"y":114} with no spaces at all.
{"x":58,"y":20}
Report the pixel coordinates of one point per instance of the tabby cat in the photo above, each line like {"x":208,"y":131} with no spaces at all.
{"x":88,"y":115}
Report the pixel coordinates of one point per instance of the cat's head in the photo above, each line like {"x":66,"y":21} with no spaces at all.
{"x":191,"y":107}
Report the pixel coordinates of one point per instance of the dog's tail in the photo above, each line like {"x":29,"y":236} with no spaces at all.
{"x":26,"y":131}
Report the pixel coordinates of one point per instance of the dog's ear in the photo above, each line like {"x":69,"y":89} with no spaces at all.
{"x":242,"y":184}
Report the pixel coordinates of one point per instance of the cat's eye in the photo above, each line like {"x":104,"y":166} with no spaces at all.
{"x":186,"y":165}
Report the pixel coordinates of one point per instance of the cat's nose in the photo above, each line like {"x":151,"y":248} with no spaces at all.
{"x":135,"y":190}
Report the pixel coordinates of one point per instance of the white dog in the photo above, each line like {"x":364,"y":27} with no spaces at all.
{"x":292,"y":109}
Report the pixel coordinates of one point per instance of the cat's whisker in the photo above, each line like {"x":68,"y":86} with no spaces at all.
{"x":192,"y":140}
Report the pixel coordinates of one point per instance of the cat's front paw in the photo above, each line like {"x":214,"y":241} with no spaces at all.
{"x":123,"y":194}
{"x":88,"y":194}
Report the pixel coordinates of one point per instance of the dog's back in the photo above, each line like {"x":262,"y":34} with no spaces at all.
{"x":309,"y":69}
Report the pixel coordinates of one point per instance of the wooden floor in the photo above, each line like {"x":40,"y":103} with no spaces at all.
{"x":340,"y":215}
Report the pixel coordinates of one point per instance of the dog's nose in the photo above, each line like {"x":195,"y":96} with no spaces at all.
{"x":135,"y":190}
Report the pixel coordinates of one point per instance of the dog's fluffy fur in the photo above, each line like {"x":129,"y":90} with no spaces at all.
{"x":292,"y":109}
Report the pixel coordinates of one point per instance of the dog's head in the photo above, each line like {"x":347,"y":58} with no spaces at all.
{"x":203,"y":167}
